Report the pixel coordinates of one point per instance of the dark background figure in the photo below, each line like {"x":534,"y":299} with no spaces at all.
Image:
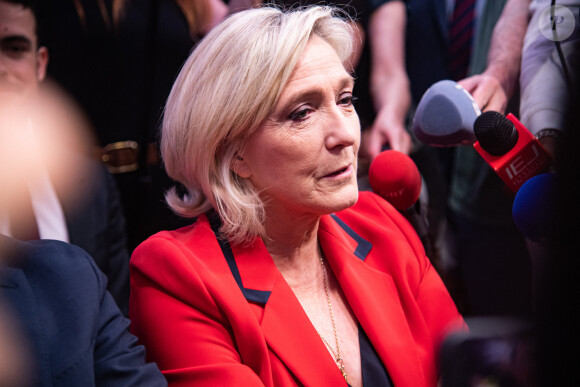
{"x":98,"y":226}
{"x":95,"y":222}
{"x":118,"y":59}
{"x":427,"y":36}
{"x":487,"y":262}
{"x":550,"y":84}
{"x":557,"y":313}
{"x":485,"y":242}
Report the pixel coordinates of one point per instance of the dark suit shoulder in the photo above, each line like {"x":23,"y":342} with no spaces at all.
{"x":77,"y":333}
{"x":48,"y":261}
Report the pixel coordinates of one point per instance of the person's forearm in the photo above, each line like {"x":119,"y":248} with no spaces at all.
{"x":389,"y":81}
{"x":505,"y":52}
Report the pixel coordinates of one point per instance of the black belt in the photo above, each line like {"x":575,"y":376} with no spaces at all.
{"x":123,"y":156}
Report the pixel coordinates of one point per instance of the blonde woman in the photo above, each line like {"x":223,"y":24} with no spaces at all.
{"x":287,"y":275}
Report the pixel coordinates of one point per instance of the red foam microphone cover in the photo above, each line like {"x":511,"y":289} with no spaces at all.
{"x":394,"y":176}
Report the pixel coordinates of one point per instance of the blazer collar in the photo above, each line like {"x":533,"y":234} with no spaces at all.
{"x":371,"y":294}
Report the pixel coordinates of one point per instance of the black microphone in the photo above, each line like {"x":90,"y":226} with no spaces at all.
{"x":509,"y":148}
{"x":445,"y":115}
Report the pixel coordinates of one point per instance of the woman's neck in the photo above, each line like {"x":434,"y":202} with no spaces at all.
{"x":294,"y":249}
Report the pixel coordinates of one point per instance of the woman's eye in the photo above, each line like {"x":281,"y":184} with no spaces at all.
{"x":347,"y":99}
{"x":299,"y":114}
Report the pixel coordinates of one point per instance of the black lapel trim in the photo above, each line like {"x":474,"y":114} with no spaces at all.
{"x":252,"y":295}
{"x":364,"y":246}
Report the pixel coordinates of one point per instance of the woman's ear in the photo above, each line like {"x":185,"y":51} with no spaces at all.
{"x":240,"y":167}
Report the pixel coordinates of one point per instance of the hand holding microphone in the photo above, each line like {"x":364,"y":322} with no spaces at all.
{"x":487,"y":92}
{"x":447,"y":115}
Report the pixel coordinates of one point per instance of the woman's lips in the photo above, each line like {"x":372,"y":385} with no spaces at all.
{"x":341,"y":172}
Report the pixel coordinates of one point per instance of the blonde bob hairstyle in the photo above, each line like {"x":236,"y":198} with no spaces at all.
{"x":227,"y":87}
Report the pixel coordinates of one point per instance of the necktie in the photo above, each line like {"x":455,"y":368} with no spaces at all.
{"x":460,"y":37}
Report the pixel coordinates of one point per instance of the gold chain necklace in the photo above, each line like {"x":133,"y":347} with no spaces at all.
{"x":338,"y":359}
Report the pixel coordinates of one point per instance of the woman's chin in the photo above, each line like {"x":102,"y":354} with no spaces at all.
{"x":345,"y":199}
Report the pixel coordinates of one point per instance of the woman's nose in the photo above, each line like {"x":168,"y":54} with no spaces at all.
{"x":343,"y":128}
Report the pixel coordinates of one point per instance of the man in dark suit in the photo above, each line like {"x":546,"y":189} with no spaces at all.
{"x":98,"y":226}
{"x":74,"y":333}
{"x":54,"y":304}
{"x":95,"y":222}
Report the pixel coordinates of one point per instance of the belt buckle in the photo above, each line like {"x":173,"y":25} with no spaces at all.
{"x":121,"y":156}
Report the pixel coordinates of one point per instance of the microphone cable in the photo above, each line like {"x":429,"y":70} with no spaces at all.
{"x":559,"y":50}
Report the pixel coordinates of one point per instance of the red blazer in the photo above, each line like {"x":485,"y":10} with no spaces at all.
{"x":215,"y":316}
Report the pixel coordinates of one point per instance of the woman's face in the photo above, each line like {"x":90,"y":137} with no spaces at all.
{"x":303,"y":159}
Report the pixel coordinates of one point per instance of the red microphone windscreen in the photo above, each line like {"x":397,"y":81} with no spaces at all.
{"x":394,"y":176}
